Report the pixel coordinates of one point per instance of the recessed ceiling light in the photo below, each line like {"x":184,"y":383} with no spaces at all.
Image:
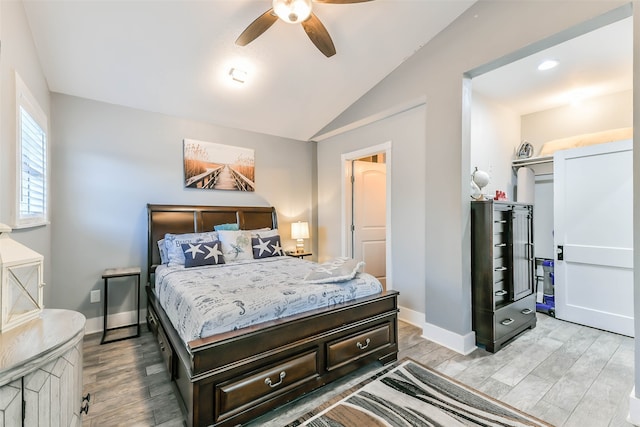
{"x":547,"y":65}
{"x":238,"y":75}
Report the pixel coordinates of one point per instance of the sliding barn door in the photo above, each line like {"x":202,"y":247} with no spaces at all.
{"x":593,"y":235}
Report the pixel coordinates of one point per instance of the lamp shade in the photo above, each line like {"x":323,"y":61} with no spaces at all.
{"x":300,"y":230}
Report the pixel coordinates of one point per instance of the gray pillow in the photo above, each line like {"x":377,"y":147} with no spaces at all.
{"x":336,"y":270}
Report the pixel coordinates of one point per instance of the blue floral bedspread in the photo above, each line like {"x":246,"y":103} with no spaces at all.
{"x":205,"y":301}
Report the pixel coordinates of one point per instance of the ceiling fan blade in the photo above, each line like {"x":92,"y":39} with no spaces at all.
{"x":341,"y":1}
{"x":256,"y":28}
{"x":319,"y":35}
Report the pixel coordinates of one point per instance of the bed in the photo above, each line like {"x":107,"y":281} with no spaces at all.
{"x":229,"y":376}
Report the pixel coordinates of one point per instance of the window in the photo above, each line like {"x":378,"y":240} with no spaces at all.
{"x":31,"y":209}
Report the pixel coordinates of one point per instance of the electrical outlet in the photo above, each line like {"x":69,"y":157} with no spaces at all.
{"x":95,"y":296}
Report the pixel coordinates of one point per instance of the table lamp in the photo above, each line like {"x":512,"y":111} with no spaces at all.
{"x":300,"y":231}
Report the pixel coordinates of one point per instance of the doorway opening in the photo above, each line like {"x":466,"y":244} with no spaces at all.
{"x":575,"y":227}
{"x":366,"y":216}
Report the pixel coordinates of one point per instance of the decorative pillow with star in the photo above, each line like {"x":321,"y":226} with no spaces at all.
{"x":199,"y":254}
{"x":336,"y":270}
{"x":264,"y":247}
{"x":173,"y":244}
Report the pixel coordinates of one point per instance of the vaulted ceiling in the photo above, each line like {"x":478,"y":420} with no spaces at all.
{"x":174,"y":57}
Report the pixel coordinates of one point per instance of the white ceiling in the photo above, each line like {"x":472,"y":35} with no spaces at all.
{"x":173,"y":57}
{"x":597,"y":63}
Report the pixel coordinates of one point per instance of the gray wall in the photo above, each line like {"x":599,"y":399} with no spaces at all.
{"x":487,"y":31}
{"x":404,"y":131}
{"x":19,"y":54}
{"x":111,"y":161}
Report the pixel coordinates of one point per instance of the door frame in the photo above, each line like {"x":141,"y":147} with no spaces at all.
{"x":346,"y":190}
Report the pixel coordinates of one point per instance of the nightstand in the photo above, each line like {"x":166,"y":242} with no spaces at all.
{"x":112,"y":273}
{"x":299,"y":254}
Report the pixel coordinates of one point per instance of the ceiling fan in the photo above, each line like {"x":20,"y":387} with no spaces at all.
{"x":294,"y":12}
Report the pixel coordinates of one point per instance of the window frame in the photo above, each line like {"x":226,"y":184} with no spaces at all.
{"x":25,"y":101}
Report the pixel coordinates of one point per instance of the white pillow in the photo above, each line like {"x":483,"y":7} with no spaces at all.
{"x":164,"y":258}
{"x":337,"y":270}
{"x":173,"y":243}
{"x":236,"y":245}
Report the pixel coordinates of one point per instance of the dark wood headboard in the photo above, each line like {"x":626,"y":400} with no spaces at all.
{"x":163,"y":219}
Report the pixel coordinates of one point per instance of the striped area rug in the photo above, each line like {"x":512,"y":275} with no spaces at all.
{"x":411,"y":395}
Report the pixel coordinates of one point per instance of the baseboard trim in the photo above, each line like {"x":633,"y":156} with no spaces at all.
{"x":463,"y":344}
{"x":95,"y":324}
{"x":412,"y":317}
{"x":634,"y":408}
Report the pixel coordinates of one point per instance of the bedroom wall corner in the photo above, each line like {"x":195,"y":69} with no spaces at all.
{"x":19,"y":55}
{"x":494,"y":138}
{"x":485,"y":32}
{"x":634,"y":398}
{"x":110,"y":161}
{"x":406,"y":131}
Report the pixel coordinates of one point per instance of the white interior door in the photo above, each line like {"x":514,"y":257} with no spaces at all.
{"x":369,"y":217}
{"x":593,"y":223}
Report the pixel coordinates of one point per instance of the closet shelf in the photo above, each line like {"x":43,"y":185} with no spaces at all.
{"x":540,"y":165}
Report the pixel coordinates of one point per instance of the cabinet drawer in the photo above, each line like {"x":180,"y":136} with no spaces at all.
{"x":511,"y":317}
{"x":152,"y":321}
{"x":500,"y":294}
{"x":499,"y":249}
{"x":237,"y":395}
{"x":165,"y":350}
{"x":356,"y":346}
{"x":500,"y":266}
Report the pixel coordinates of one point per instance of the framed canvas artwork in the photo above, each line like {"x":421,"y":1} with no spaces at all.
{"x":213,"y":166}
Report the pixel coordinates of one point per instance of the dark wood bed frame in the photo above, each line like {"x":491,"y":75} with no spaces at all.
{"x":231,"y":378}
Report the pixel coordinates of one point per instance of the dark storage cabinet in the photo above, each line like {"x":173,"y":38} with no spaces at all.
{"x":502,"y":271}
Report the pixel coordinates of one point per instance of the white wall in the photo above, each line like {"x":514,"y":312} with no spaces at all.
{"x":592,"y":115}
{"x":485,"y":32}
{"x":495,"y":137}
{"x":19,"y":54}
{"x":111,"y":161}
{"x":404,"y":131}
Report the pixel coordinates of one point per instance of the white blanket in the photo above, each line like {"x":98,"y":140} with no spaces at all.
{"x":205,"y":301}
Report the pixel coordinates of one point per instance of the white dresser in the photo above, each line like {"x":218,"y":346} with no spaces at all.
{"x":41,"y":371}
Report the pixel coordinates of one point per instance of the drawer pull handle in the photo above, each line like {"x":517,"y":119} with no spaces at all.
{"x":527,"y":311}
{"x":500,"y":245}
{"x":501,"y":293}
{"x":503,"y":221}
{"x":366,"y":344}
{"x":500,"y":269}
{"x":85,"y":408}
{"x":507,"y":322}
{"x":268,"y":382}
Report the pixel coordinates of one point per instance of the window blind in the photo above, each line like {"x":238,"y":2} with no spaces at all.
{"x":33,"y":160}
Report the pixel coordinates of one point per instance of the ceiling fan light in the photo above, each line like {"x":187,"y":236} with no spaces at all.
{"x":292,"y":11}
{"x":238,"y":75}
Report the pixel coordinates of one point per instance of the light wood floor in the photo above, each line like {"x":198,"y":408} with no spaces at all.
{"x":566,"y":374}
